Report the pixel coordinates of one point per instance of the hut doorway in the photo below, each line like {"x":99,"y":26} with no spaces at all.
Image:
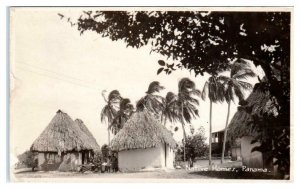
{"x":85,"y":157}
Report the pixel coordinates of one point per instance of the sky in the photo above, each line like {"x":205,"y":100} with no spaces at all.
{"x":52,"y":67}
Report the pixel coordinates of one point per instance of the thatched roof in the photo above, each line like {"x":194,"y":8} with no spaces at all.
{"x":241,"y":125}
{"x":62,"y":135}
{"x":142,"y":131}
{"x":84,"y":129}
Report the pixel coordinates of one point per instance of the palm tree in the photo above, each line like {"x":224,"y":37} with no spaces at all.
{"x":124,"y":113}
{"x":215,"y":91}
{"x":152,"y":102}
{"x":234,"y":88}
{"x":170,"y":108}
{"x":186,"y":105}
{"x":109,"y":111}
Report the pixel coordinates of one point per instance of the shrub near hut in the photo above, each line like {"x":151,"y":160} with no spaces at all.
{"x":28,"y":159}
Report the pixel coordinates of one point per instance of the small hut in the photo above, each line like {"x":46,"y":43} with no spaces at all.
{"x":144,"y":143}
{"x":242,"y":132}
{"x":64,"y":144}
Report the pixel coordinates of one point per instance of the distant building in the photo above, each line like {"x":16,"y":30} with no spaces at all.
{"x":64,"y":144}
{"x":144,"y":143}
{"x":217,"y":144}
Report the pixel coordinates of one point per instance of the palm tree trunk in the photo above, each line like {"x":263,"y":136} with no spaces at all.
{"x":108,"y":131}
{"x":183,"y":131}
{"x":184,"y":137}
{"x":210,"y":130}
{"x":225,"y":133}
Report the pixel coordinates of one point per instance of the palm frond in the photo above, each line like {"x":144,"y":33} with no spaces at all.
{"x":195,"y":92}
{"x":239,"y":64}
{"x":104,"y":113}
{"x":245,"y":85}
{"x":170,"y":97}
{"x":204,"y":91}
{"x":238,"y":92}
{"x":186,"y":85}
{"x":140,"y":105}
{"x":229,"y":94}
{"x":157,"y":97}
{"x":154,"y":87}
{"x":107,"y":112}
{"x":220,"y":93}
{"x":216,"y":89}
{"x":189,"y":113}
{"x":113,"y":95}
{"x":153,"y":104}
{"x":193,"y":110}
{"x":244,"y":74}
{"x":223,"y":79}
{"x":192,"y":100}
{"x":124,"y":104}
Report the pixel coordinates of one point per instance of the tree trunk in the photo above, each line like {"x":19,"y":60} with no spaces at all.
{"x":184,"y":136}
{"x":225,"y":134}
{"x":108,"y":131}
{"x":210,"y":130}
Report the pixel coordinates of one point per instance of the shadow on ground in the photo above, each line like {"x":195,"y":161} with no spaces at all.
{"x":234,"y":175}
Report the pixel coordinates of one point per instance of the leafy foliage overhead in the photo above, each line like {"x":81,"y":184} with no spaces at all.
{"x":200,"y":41}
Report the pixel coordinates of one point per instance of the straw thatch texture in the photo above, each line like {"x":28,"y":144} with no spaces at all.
{"x":241,"y":124}
{"x":63,"y":135}
{"x":90,"y":136}
{"x":142,"y":131}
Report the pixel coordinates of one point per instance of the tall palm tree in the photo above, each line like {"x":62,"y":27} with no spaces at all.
{"x":215,"y":91}
{"x":234,"y":88}
{"x":170,"y":108}
{"x":186,"y":104}
{"x":152,"y":102}
{"x":109,"y":111}
{"x":124,"y":113}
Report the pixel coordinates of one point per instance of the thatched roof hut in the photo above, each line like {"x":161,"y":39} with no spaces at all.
{"x":63,"y":135}
{"x":242,"y":131}
{"x":258,"y":103}
{"x":142,"y":131}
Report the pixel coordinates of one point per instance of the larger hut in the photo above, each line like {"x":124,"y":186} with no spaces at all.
{"x":242,"y":130}
{"x":144,"y":143}
{"x":64,"y":145}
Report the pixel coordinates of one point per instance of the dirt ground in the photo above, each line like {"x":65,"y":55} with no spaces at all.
{"x":158,"y":174}
{"x":198,"y":172}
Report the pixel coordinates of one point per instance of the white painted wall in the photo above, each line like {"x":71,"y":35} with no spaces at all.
{"x":41,"y":159}
{"x":138,"y":159}
{"x":170,"y":158}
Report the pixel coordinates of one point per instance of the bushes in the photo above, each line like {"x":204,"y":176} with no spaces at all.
{"x":195,"y":147}
{"x":29,"y":159}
